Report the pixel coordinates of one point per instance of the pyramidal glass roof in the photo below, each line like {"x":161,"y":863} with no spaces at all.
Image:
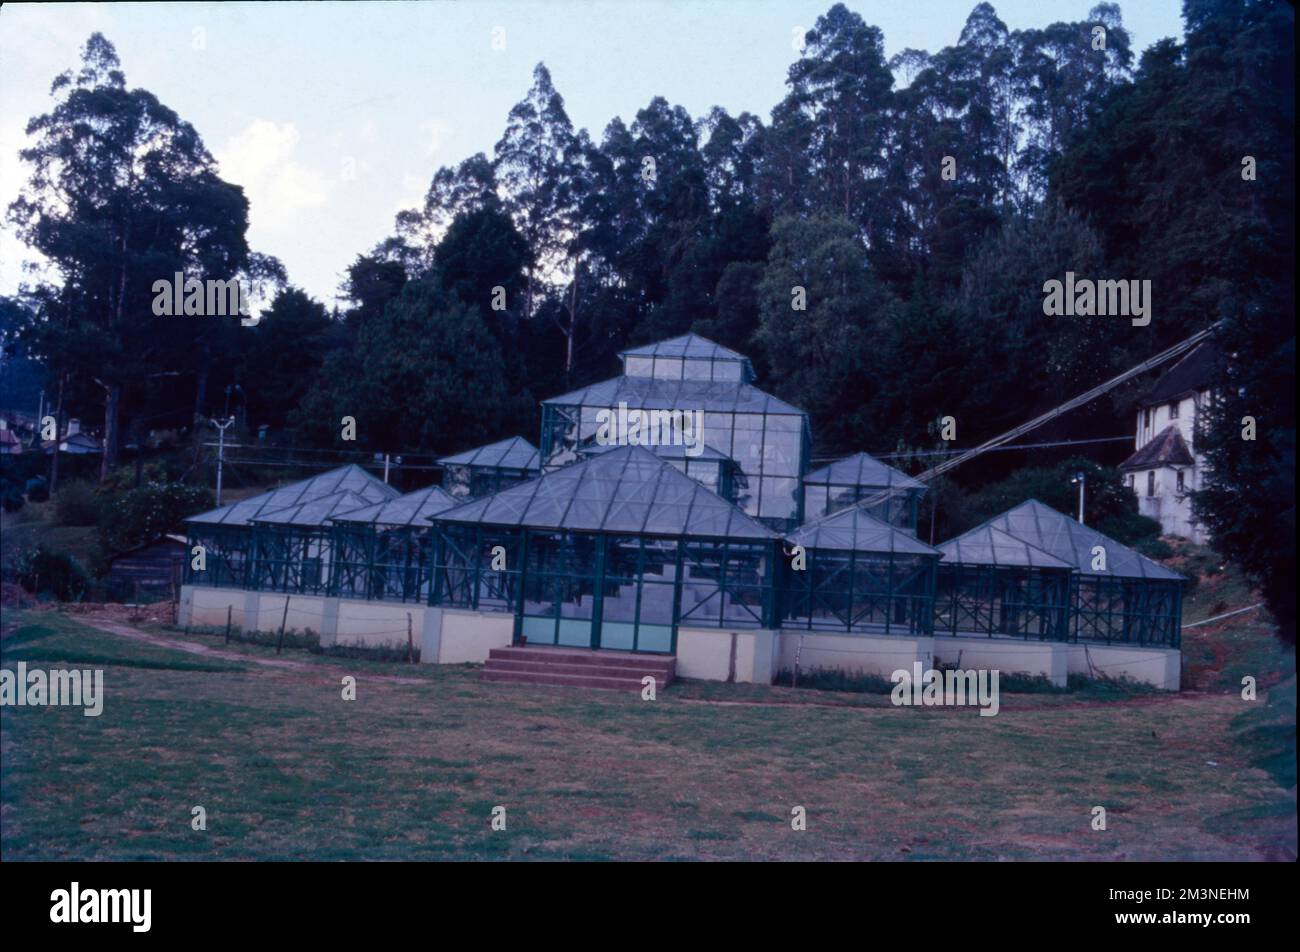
{"x":987,"y":545}
{"x":1068,"y":540}
{"x":314,"y":512}
{"x":412,"y":509}
{"x":346,"y":478}
{"x":854,"y":530}
{"x":862,"y":469}
{"x":654,"y":394}
{"x":627,"y":490}
{"x":687,"y":345}
{"x":514,"y":453}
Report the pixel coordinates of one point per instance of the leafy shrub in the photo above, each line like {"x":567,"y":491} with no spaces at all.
{"x":38,"y":490}
{"x":143,"y":514}
{"x":75,"y":504}
{"x":12,"y":500}
{"x":45,"y":572}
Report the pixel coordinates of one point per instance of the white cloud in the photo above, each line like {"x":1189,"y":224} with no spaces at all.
{"x":262,"y":159}
{"x":437,"y":133}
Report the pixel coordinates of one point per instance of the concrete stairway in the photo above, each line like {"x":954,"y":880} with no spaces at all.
{"x":578,"y":668}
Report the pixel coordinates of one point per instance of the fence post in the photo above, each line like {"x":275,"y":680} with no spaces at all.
{"x":410,"y":641}
{"x":283,"y":619}
{"x":228,"y":610}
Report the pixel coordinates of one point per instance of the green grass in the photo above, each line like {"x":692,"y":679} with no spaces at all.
{"x":412,"y":770}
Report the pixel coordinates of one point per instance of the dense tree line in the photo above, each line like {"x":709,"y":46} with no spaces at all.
{"x":919,"y":203}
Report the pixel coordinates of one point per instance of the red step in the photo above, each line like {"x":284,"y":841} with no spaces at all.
{"x":578,"y":667}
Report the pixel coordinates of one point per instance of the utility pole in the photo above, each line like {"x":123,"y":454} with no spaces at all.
{"x":221,"y":450}
{"x":1081,"y":478}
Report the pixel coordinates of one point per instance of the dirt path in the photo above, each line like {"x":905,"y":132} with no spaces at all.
{"x":193,"y":647}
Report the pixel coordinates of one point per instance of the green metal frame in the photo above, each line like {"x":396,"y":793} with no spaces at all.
{"x":830,"y":594}
{"x":566,"y":427}
{"x":1017,"y":601}
{"x":901,"y":509}
{"x":227,"y":555}
{"x":1127,"y":611}
{"x":584,"y":570}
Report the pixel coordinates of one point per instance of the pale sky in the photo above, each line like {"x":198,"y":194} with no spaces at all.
{"x":334,"y":116}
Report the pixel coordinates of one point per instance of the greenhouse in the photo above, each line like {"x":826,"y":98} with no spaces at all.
{"x":708,"y":467}
{"x":293,"y":548}
{"x":767,"y":439}
{"x":688,"y":357}
{"x":1117,"y":596}
{"x":383,"y":550}
{"x":891,"y":495}
{"x":991,"y":583}
{"x":227,"y":533}
{"x":487,"y":469}
{"x":862,"y":575}
{"x":616,"y":551}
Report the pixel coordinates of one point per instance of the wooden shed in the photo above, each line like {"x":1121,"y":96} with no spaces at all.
{"x":155,"y":567}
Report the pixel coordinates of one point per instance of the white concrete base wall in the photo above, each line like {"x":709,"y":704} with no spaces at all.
{"x":1159,"y":667}
{"x":375,"y":624}
{"x":466,"y":637}
{"x":454,"y":636}
{"x":861,"y":654}
{"x":1049,"y":659}
{"x":204,"y":607}
{"x":706,"y":654}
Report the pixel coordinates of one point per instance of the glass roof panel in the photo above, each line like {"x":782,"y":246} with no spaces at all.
{"x":350,"y":478}
{"x":854,"y":529}
{"x":627,"y":489}
{"x":1072,"y":542}
{"x":514,"y":453}
{"x":651,"y":394}
{"x":987,"y":545}
{"x":862,"y":469}
{"x":412,"y":509}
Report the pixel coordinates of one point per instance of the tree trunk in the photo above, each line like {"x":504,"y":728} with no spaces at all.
{"x":112,"y":410}
{"x":200,"y":400}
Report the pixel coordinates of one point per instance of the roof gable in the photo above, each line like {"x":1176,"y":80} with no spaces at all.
{"x":863,"y":469}
{"x":1072,"y":542}
{"x":989,"y":545}
{"x":346,"y":478}
{"x":1190,"y":375}
{"x":1166,"y":448}
{"x":627,"y":490}
{"x":513,"y":453}
{"x":854,"y":529}
{"x":414,"y":508}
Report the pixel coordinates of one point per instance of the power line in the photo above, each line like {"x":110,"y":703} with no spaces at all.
{"x":1000,"y":449}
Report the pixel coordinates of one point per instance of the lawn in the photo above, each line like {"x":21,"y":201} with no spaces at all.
{"x":412,"y":768}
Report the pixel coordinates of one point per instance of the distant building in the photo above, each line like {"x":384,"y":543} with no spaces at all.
{"x":74,"y":442}
{"x":10,"y":444}
{"x":1166,"y":467}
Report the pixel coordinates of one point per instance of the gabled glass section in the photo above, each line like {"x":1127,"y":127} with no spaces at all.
{"x":859,"y":575}
{"x":992,"y":584}
{"x":1117,"y":595}
{"x":350,"y":478}
{"x":384,"y":550}
{"x":767,"y":438}
{"x":689,"y":357}
{"x":487,"y":469}
{"x":616,"y":551}
{"x":229,"y":533}
{"x":890,"y":494}
{"x":711,"y":469}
